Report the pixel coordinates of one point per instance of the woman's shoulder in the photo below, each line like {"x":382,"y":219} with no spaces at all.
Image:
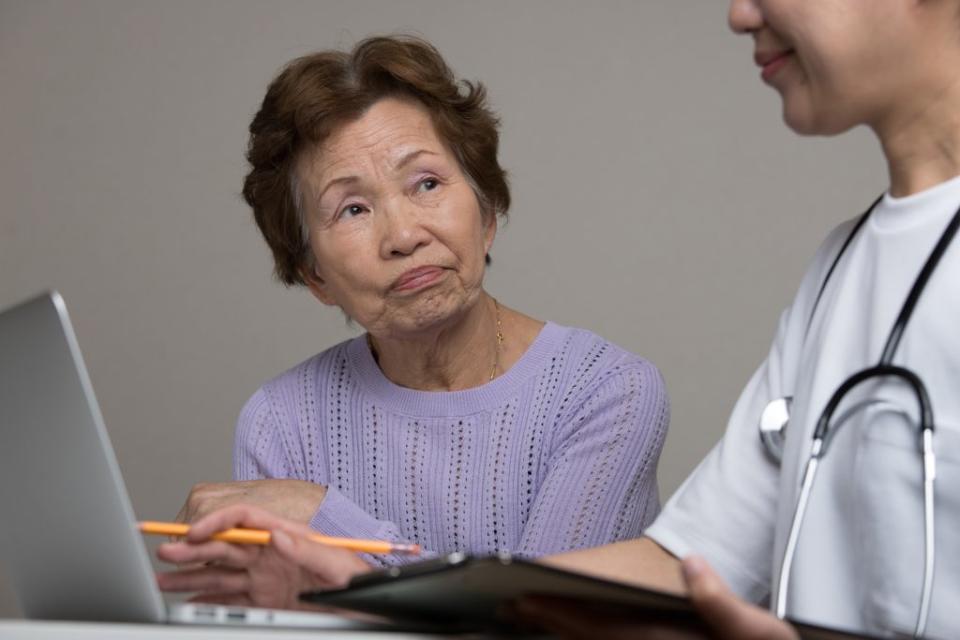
{"x":591,"y":359}
{"x":281,"y":400}
{"x":605,"y":380}
{"x":833,"y":243}
{"x":580,"y":343}
{"x":290,"y":383}
{"x":797,"y":315}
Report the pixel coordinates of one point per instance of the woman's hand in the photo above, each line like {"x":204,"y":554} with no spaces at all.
{"x":253,"y":575}
{"x":726,"y":616}
{"x":296,"y":500}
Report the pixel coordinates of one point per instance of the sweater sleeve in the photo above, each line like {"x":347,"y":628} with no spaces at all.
{"x":338,"y":515}
{"x":600,"y":484}
{"x":260,"y":453}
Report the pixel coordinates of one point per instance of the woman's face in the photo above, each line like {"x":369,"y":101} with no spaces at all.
{"x":396,"y":230}
{"x":839,"y":63}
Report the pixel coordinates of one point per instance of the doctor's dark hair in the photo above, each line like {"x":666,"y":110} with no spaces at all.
{"x":315,"y":95}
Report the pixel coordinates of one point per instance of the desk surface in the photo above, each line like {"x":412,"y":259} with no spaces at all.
{"x":41,"y":630}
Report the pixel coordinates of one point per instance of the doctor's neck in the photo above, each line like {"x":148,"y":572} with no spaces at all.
{"x":922,"y":146}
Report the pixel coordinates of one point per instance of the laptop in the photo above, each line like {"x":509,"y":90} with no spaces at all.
{"x":69,"y":545}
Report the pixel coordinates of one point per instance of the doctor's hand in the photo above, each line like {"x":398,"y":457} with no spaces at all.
{"x":725,"y":616}
{"x":270,"y":576}
{"x":296,"y":500}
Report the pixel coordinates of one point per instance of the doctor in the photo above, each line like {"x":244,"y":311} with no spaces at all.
{"x":858,"y":548}
{"x":860,"y":556}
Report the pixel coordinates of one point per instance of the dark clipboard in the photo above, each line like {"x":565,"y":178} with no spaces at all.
{"x":458,"y":592}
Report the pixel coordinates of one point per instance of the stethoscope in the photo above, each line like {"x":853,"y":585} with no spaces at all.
{"x":775,"y":417}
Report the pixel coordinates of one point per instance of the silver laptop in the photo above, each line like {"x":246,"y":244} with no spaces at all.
{"x":69,"y":546}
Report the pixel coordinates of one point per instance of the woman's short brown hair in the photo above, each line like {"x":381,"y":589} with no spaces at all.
{"x":314,"y":95}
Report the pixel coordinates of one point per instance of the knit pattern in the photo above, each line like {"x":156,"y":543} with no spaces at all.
{"x":558,"y":453}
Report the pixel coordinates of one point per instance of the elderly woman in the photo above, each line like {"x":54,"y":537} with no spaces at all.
{"x":454,"y":422}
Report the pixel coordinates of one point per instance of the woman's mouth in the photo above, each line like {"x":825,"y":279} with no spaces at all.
{"x":417,"y":278}
{"x":771,"y":62}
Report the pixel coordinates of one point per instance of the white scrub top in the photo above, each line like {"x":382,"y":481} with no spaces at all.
{"x":859,"y":562}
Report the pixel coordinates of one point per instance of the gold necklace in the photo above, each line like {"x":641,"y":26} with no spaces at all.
{"x":496,"y":352}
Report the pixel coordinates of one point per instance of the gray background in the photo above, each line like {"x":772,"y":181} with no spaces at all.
{"x":658,"y":199}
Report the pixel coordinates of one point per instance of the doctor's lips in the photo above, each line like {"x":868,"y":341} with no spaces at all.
{"x":771,"y":61}
{"x":417,"y":278}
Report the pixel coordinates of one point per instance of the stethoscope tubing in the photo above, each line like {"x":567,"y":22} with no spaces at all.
{"x":821,"y":441}
{"x":929,"y":552}
{"x":823,"y":434}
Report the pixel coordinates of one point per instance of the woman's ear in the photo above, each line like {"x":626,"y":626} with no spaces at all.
{"x":316,"y":284}
{"x":489,"y":232}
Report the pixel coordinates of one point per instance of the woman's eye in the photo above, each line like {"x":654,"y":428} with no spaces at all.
{"x":352,"y":210}
{"x":429,"y":184}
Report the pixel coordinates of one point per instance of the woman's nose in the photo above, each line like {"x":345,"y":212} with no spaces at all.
{"x":745,"y":16}
{"x":403,"y":231}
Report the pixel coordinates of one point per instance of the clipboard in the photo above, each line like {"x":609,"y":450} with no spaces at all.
{"x":464,"y":593}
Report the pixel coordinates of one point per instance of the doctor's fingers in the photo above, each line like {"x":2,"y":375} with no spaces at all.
{"x":729,"y":617}
{"x":211,"y":581}
{"x":213,"y":552}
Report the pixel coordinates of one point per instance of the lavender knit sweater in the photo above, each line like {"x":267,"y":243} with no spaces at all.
{"x":560,"y":452}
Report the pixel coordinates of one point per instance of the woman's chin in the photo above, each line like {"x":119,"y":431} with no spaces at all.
{"x":799,"y":119}
{"x":420,"y":322}
{"x":807,"y":121}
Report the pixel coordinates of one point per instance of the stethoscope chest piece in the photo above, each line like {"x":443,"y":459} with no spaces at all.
{"x":773,"y":427}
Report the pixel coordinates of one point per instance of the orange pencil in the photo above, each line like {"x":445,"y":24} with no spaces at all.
{"x":261,"y":536}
